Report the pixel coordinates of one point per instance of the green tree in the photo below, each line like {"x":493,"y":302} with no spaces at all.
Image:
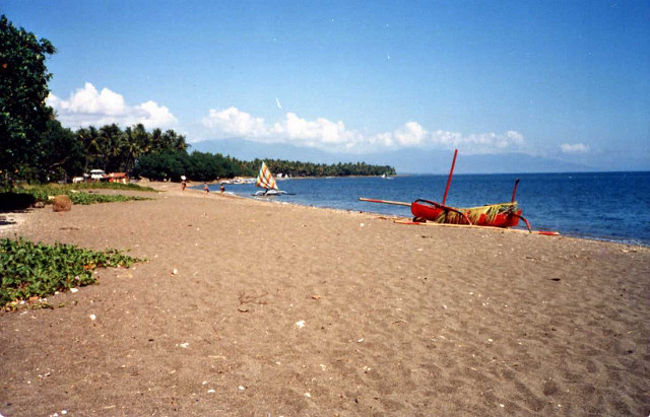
{"x":162,"y":166}
{"x":204,"y":166}
{"x":23,"y":90}
{"x":108,"y":141}
{"x":136,"y":142}
{"x":62,"y":154}
{"x":89,"y":139}
{"x":168,"y":141}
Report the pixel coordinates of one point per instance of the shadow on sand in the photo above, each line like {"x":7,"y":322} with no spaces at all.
{"x":14,"y":203}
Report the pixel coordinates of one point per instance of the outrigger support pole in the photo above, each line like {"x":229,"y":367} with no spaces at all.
{"x":451,"y":173}
{"x":525,"y":221}
{"x":395,"y":203}
{"x":514,"y":191}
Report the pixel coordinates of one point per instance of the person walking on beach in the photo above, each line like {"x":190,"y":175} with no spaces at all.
{"x":205,"y":188}
{"x":222,"y":188}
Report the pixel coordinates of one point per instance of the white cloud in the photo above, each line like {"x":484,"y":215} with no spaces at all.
{"x":411,"y":134}
{"x":155,"y":115}
{"x":335,"y":136}
{"x":574,"y":148}
{"x":232,"y":121}
{"x":87,"y":106}
{"x":314,"y":133}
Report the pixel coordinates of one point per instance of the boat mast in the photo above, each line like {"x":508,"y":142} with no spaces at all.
{"x":451,"y":173}
{"x":514,"y":191}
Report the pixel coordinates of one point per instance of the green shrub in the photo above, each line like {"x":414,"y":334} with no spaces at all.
{"x":35,"y":269}
{"x":43,"y":192}
{"x":105,"y":185}
{"x":87,"y":198}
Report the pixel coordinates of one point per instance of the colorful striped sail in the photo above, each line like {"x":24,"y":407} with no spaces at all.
{"x":265,"y":179}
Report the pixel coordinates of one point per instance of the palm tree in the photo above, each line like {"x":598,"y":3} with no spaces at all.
{"x":108,"y":140}
{"x":136,"y":142}
{"x":88,"y":137}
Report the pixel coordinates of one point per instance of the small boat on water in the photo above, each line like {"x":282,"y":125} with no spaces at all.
{"x":265,"y":180}
{"x":495,"y":215}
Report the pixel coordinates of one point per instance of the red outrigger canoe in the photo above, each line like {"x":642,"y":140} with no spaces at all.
{"x":494,"y":215}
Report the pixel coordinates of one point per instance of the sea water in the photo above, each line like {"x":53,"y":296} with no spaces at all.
{"x":609,"y":206}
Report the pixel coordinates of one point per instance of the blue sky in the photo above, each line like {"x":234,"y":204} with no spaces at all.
{"x":560,"y":80}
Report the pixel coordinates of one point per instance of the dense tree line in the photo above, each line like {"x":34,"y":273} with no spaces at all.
{"x":197,"y":166}
{"x":115,"y":150}
{"x":201,"y":166}
{"x":309,"y":169}
{"x":63,"y":153}
{"x":34,"y":146}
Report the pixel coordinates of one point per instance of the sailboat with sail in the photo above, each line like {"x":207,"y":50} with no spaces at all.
{"x":265,"y":180}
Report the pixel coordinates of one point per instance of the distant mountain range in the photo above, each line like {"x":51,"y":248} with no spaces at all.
{"x":439,"y":162}
{"x":405,"y":161}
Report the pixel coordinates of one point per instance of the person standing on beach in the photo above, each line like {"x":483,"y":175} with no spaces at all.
{"x":205,"y":188}
{"x":222,"y":188}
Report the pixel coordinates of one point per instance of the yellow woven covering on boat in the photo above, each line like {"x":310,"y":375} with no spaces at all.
{"x":474,"y":213}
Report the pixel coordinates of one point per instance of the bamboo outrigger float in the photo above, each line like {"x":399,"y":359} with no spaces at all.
{"x":494,"y":215}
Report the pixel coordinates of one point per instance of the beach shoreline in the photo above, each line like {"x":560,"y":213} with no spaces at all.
{"x":630,"y":241}
{"x":285,"y":309}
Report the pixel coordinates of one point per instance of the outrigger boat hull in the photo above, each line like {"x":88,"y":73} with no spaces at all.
{"x":269,"y":193}
{"x":494,"y":215}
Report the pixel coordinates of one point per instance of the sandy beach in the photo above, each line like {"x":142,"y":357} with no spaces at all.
{"x":282,"y":310}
